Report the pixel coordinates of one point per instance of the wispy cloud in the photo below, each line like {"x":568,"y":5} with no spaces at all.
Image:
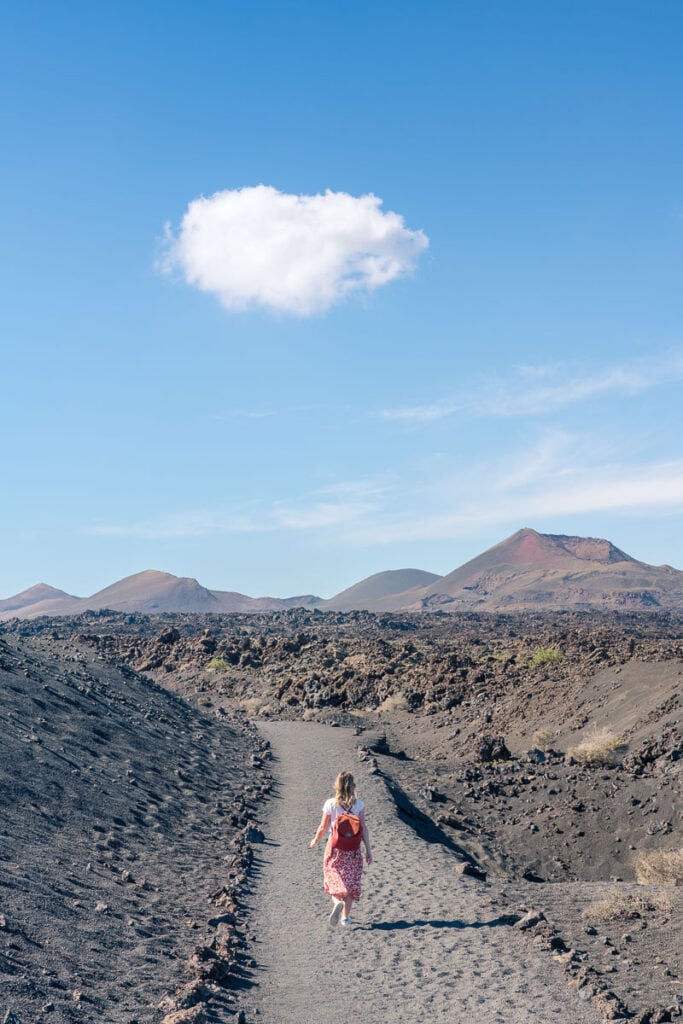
{"x":338,"y":505}
{"x":193,"y":523}
{"x":655,"y":488}
{"x":341,"y":504}
{"x":299,"y":254}
{"x":543,"y":389}
{"x":561,"y":476}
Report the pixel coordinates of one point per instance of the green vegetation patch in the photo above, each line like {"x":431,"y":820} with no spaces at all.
{"x":544,"y":655}
{"x":217,"y":665}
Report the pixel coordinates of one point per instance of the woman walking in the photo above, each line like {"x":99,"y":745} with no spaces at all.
{"x":344,"y":816}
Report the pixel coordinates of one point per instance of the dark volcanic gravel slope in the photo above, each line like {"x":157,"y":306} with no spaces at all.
{"x":118,"y":804}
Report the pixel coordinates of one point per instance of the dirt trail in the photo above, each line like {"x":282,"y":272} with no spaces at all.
{"x":426,"y":945}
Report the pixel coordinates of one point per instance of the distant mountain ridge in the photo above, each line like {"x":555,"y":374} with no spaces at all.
{"x":34,"y":595}
{"x":379,"y":588}
{"x":150,"y":591}
{"x":529,"y":570}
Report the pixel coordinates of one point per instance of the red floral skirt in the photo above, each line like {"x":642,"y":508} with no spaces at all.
{"x":342,"y":871}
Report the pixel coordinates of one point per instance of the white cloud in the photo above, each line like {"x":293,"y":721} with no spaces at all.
{"x":334,"y":506}
{"x":535,"y":390}
{"x":422,"y":413}
{"x":299,"y":254}
{"x":340,"y":504}
{"x":558,"y":476}
{"x":643,"y":487}
{"x":559,"y":490}
{"x":177,"y":525}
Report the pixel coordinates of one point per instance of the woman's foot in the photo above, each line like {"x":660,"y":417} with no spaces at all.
{"x":346,"y":920}
{"x":336,"y":911}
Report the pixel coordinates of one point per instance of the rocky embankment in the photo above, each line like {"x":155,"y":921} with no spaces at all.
{"x":357,"y":660}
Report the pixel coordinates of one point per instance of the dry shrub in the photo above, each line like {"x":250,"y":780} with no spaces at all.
{"x":661,"y":867}
{"x":625,"y":907}
{"x":252,"y":705}
{"x":601,"y":747}
{"x":543,"y":738}
{"x":394,"y":702}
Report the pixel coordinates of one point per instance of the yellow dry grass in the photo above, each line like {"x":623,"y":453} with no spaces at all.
{"x":618,"y":906}
{"x":543,"y":738}
{"x":660,"y":867}
{"x":601,"y":747}
{"x":252,"y":705}
{"x":394,"y":702}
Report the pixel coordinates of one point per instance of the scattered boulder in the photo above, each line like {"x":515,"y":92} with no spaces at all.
{"x":192,"y":994}
{"x":470,"y":870}
{"x":168,"y":636}
{"x":432,"y":796}
{"x":609,"y":1006}
{"x":530,"y":920}
{"x":193,"y":1015}
{"x":492,"y":748}
{"x":207,"y":965}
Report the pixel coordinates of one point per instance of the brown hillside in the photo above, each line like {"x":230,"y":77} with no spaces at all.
{"x":371,"y":593}
{"x":152,"y":591}
{"x":548,"y":571}
{"x":35,"y":594}
{"x":149,"y":591}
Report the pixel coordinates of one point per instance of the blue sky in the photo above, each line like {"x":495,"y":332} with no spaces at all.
{"x":180,"y":392}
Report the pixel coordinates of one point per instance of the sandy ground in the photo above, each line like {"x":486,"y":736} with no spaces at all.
{"x":426,"y":945}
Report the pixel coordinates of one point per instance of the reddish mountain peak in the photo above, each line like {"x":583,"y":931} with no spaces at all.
{"x":527,"y":547}
{"x":548,"y":550}
{"x":593,"y":549}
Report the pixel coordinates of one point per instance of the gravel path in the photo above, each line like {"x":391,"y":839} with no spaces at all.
{"x":426,"y":945}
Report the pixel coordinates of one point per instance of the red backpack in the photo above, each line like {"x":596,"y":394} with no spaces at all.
{"x":347,"y":832}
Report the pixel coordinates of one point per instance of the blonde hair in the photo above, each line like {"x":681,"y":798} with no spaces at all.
{"x":345,"y":789}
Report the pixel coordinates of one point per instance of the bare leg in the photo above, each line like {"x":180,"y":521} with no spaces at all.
{"x":348,"y":903}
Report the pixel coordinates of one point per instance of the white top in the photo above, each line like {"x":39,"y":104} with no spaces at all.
{"x":334,"y":809}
